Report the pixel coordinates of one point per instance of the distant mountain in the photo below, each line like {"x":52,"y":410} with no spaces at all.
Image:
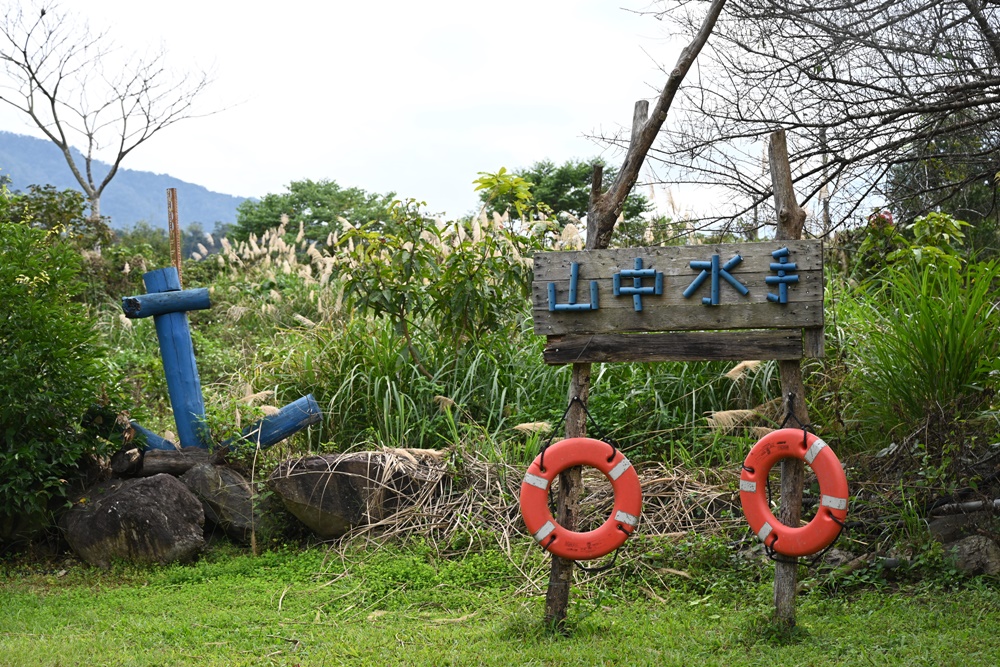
{"x":130,"y":197}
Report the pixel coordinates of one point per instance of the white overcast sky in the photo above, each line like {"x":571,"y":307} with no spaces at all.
{"x":388,"y":95}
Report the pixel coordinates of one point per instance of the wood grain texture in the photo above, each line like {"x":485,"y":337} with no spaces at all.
{"x":689,"y":318}
{"x":697,"y":346}
{"x":674,"y":260}
{"x":172,"y":462}
{"x":791,"y":218}
{"x":813,"y":343}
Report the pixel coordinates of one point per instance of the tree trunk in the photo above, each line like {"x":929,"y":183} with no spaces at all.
{"x":95,"y":208}
{"x":602,"y":215}
{"x":791,"y":219}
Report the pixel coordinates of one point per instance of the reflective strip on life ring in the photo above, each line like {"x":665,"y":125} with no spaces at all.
{"x":826,"y":525}
{"x":535,"y":499}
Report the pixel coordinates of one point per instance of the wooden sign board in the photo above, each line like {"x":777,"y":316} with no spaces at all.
{"x":592,"y":304}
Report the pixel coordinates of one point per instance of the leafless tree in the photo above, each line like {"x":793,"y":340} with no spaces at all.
{"x":76,"y":87}
{"x":881,"y":100}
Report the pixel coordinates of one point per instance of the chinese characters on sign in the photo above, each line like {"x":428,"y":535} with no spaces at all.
{"x":637,"y":290}
{"x":571,"y":304}
{"x":783,"y":279}
{"x":717,"y":272}
{"x":760,"y":300}
{"x":712,"y":270}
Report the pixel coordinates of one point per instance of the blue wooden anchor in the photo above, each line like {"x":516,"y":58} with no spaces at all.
{"x":168,"y":305}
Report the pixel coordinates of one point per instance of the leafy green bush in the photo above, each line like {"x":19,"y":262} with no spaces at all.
{"x":51,"y":371}
{"x":925,"y":355}
{"x":460,"y":280}
{"x":61,"y":211}
{"x":937,"y":241}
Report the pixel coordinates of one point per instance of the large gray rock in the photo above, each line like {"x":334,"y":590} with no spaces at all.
{"x":977,"y":554}
{"x":947,"y":529}
{"x":229,"y":501}
{"x":147,"y":520}
{"x":333,"y":493}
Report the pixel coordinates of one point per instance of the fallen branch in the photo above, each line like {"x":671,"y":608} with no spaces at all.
{"x":964,"y":508}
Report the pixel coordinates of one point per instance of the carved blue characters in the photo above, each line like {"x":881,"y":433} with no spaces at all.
{"x":784,"y":277}
{"x":572,"y":305}
{"x":717,"y":271}
{"x":636,"y":291}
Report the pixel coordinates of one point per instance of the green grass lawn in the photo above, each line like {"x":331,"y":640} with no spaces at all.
{"x":408,"y":607}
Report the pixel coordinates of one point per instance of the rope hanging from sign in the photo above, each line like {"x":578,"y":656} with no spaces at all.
{"x":826,"y":526}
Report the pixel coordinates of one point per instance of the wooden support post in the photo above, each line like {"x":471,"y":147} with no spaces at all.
{"x":177,"y":352}
{"x":174,"y":227}
{"x":568,"y":502}
{"x":791,"y":219}
{"x":570,"y":481}
{"x":602,"y":215}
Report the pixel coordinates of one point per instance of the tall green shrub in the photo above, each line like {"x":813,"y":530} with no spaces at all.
{"x":51,"y":371}
{"x":926,"y":354}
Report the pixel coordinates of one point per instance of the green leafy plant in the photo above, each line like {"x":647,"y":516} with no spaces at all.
{"x":52,"y":369}
{"x":458,"y":281}
{"x":558,"y":191}
{"x":937,"y":241}
{"x":879,"y":239}
{"x":925,"y":354}
{"x":504,"y":190}
{"x":62,"y":212}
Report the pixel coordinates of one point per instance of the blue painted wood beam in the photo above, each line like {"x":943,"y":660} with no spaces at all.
{"x":150,"y":440}
{"x":148,"y":305}
{"x":274,"y":428}
{"x":177,"y":352}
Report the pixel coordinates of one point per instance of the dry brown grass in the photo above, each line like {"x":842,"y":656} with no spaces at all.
{"x":465,"y":500}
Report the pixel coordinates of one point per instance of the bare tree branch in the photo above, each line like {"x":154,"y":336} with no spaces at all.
{"x":865,"y":90}
{"x":55,"y":71}
{"x":602,"y":217}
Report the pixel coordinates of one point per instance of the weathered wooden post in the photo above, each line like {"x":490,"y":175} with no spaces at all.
{"x":602,"y":215}
{"x":168,"y":306}
{"x":174,"y":228}
{"x":791,"y":219}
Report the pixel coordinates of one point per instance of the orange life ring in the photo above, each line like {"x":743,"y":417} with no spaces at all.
{"x":826,"y":525}
{"x":535,"y":498}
